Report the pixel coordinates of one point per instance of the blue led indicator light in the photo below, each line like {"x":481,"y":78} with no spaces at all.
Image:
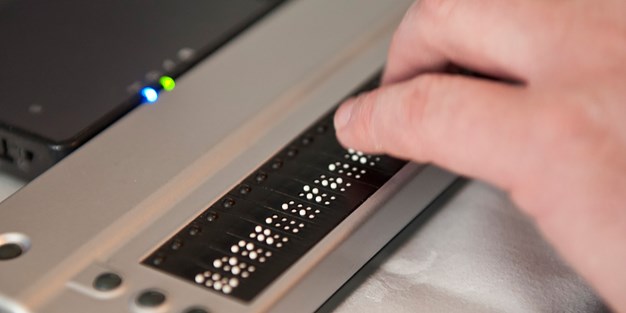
{"x":149,"y":94}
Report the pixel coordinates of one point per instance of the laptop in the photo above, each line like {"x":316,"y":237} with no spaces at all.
{"x":227,"y":193}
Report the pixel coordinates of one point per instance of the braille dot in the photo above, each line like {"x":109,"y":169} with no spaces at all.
{"x":150,"y":298}
{"x":217,"y":285}
{"x":324,"y":183}
{"x":262,"y":260}
{"x":227,"y":268}
{"x":252,"y":235}
{"x":216,"y":277}
{"x":363,"y":160}
{"x":309,"y":196}
{"x":270,"y":241}
{"x":269,"y":220}
{"x":243,"y":265}
{"x":227,"y":289}
{"x":268,"y":254}
{"x":253,"y":255}
{"x":209,"y":283}
{"x":245,"y":274}
{"x":250,"y":246}
{"x":258,"y":229}
{"x":332,"y":167}
{"x":318,"y":199}
{"x":232,"y":261}
{"x":321,"y":129}
{"x":251,"y":269}
{"x":311,"y":216}
{"x":235,"y":270}
{"x":316,"y":191}
{"x":295,"y":230}
{"x":355,"y":158}
{"x":245,"y":253}
{"x":107,"y":282}
{"x":333,"y":186}
{"x":199,"y":279}
{"x":233,"y":282}
{"x":211,"y":216}
{"x":217,"y":263}
{"x":302,"y":212}
{"x":306,"y":188}
{"x":234,"y":249}
{"x":279,"y":245}
{"x":285,"y":206}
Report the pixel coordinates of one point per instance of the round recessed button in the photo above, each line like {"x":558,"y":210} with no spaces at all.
{"x":245,"y":189}
{"x":292,"y":152}
{"x":321,"y":129}
{"x":194,"y":230}
{"x":196,"y":310}
{"x":261,"y":177}
{"x":158,"y":260}
{"x":277,"y":164}
{"x":228,"y":203}
{"x":150,"y":298}
{"x":107,"y":282}
{"x":10,"y":251}
{"x":307,"y":140}
{"x":176,"y":244}
{"x":211,"y":216}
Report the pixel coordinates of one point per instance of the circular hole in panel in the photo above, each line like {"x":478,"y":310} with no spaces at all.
{"x":13,"y":245}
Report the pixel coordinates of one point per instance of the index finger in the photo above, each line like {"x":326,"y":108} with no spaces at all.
{"x":492,"y":37}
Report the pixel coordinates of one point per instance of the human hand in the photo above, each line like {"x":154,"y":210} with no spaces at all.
{"x":556,"y":140}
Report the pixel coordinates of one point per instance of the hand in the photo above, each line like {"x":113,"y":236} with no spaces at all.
{"x":555,"y":140}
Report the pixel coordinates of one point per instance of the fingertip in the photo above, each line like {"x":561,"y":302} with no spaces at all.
{"x":343,"y":114}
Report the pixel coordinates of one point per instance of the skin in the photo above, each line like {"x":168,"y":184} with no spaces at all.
{"x":551,"y":131}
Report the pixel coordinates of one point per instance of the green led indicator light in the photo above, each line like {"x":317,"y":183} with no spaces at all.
{"x":167,"y":82}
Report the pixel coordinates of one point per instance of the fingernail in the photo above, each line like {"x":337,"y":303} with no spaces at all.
{"x":342,"y":117}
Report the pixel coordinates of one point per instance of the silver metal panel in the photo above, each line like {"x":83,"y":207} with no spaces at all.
{"x":114,"y":200}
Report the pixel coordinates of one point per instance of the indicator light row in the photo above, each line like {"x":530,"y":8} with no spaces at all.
{"x":151,"y":95}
